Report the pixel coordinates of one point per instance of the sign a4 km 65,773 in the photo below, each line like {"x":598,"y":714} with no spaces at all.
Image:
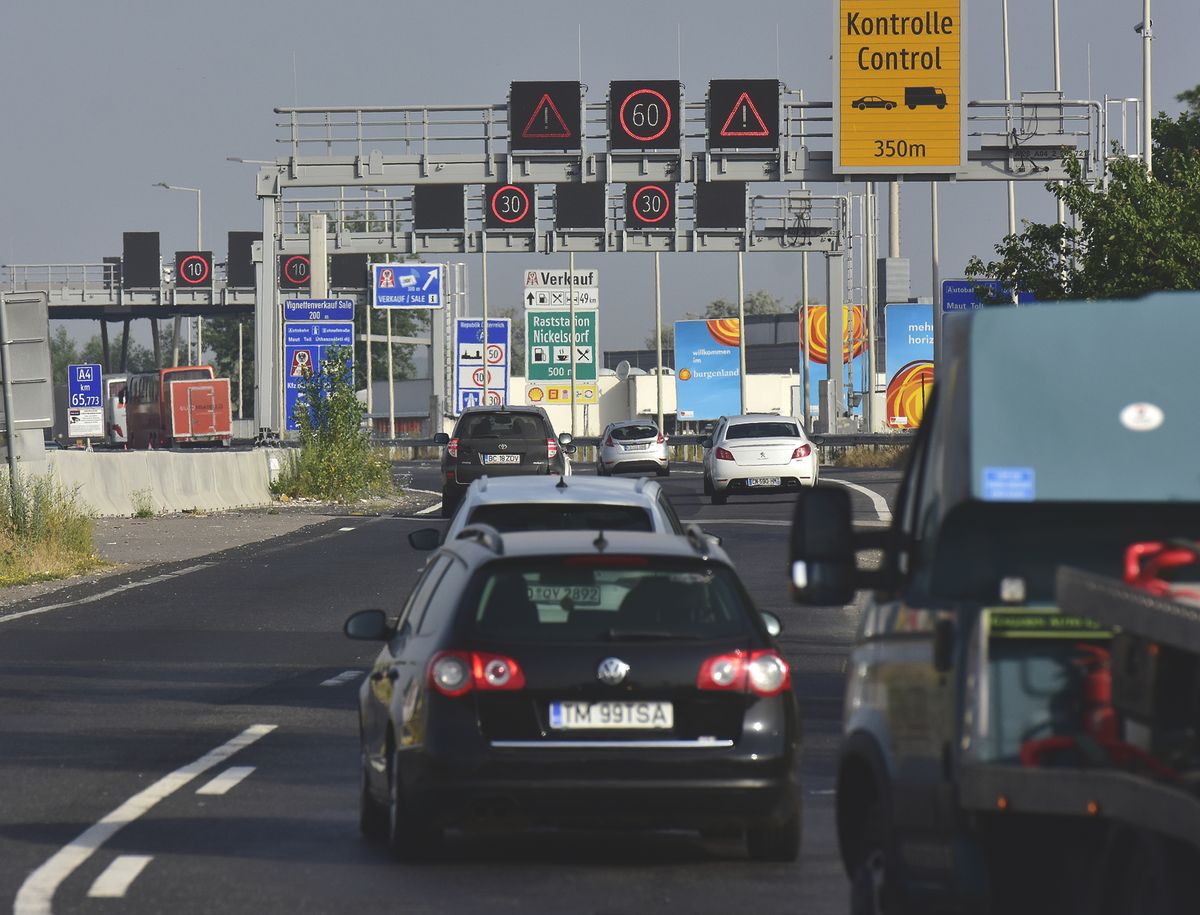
{"x":899,"y":86}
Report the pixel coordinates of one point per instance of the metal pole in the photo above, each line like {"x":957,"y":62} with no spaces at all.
{"x":936,"y":268}
{"x":658,"y":338}
{"x":1012,"y":199}
{"x":199,"y":247}
{"x":804,"y":380}
{"x":893,"y":219}
{"x":483,"y":279}
{"x":10,"y":414}
{"x":1061,"y":207}
{"x":1147,"y":106}
{"x":742,"y":330}
{"x":392,"y":378}
{"x":157,"y":343}
{"x":835,"y":287}
{"x":241,"y":325}
{"x":571,"y":294}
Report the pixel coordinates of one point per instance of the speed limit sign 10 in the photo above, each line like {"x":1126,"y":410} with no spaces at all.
{"x":650,"y":205}
{"x":508,"y":206}
{"x":644,"y":114}
{"x":193,"y":268}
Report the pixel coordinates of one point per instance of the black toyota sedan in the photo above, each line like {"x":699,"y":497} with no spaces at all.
{"x":589,"y":679}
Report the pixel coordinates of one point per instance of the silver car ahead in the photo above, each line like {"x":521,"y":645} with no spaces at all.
{"x":760,"y":452}
{"x":633,"y":446}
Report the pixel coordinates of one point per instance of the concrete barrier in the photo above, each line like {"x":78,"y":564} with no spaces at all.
{"x":120,"y":482}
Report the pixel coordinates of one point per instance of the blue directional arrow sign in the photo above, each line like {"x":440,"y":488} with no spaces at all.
{"x":406,"y":285}
{"x":963,"y":295}
{"x":305,"y":346}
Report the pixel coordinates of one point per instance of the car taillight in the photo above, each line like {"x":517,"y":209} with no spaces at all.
{"x":661,"y":438}
{"x":456,"y":673}
{"x":452,"y":448}
{"x":763,"y":673}
{"x":551,"y":448}
{"x":722,"y":454}
{"x":608,"y":442}
{"x":802,"y":452}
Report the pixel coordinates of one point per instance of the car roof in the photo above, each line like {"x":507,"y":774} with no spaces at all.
{"x":515,"y":408}
{"x":602,"y":490}
{"x":758,"y":418}
{"x":535,"y":544}
{"x":649,"y":421}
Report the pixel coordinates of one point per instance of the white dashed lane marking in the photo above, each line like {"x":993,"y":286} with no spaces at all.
{"x":342,"y":530}
{"x":226,"y":780}
{"x":114,"y":880}
{"x":37,"y":892}
{"x":346,"y":676}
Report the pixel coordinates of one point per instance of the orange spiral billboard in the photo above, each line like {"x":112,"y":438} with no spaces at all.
{"x":909,"y":343}
{"x":818,"y":333}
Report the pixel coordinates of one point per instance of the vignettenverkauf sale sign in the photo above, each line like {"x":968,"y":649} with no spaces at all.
{"x":899,"y":78}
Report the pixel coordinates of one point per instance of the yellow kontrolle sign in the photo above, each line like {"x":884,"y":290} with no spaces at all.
{"x":899,"y":86}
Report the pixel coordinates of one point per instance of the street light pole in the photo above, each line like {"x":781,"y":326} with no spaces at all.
{"x":1147,"y":107}
{"x":199,"y":247}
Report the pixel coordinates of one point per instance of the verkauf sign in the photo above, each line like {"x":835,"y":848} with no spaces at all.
{"x":900,"y":87}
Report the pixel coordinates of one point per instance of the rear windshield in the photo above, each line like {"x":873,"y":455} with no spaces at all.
{"x":606,"y":599}
{"x":565,"y":516}
{"x":501,"y":425}
{"x":633,"y":433}
{"x":188,"y":375}
{"x":763,"y":430}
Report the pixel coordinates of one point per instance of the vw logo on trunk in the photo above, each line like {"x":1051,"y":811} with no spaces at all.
{"x":612,"y":671}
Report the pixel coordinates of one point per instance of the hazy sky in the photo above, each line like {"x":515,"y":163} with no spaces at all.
{"x":102,"y":99}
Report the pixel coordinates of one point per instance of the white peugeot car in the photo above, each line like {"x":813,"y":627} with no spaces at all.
{"x":757,"y":452}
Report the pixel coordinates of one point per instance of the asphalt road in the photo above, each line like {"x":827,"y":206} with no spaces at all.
{"x":122,"y":791}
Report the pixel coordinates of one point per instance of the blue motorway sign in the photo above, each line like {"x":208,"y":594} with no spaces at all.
{"x":318,"y":310}
{"x":406,"y":285}
{"x":470,"y":370}
{"x":963,"y":295}
{"x":305,"y":346}
{"x":84,"y":387}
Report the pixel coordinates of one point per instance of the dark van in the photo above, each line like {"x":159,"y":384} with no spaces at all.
{"x":924,"y":95}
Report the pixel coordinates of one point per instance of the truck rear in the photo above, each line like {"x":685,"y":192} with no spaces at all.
{"x":201,"y":411}
{"x":984,"y":765}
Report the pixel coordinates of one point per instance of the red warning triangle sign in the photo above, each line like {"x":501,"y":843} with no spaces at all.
{"x":744,"y":120}
{"x":546,"y":123}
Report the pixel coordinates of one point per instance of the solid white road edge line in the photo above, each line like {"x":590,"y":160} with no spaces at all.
{"x":429,"y":509}
{"x":346,"y":676}
{"x":225,"y":781}
{"x":130,"y":586}
{"x":342,"y":530}
{"x":114,"y":880}
{"x":880,"y":503}
{"x":37,"y":892}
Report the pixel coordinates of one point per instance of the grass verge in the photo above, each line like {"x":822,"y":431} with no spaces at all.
{"x":45,"y":532}
{"x":869,"y":456}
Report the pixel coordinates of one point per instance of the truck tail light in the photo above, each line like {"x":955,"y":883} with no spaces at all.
{"x":722,"y":454}
{"x":802,"y":452}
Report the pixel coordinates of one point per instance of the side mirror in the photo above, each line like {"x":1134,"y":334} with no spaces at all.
{"x":565,"y":438}
{"x":817,"y":440}
{"x":441,"y":438}
{"x":567,"y":449}
{"x":774,"y":626}
{"x":711,"y":537}
{"x":943,"y":645}
{"x":368,"y":626}
{"x":707,"y":442}
{"x":822,"y":548}
{"x":426,"y":538}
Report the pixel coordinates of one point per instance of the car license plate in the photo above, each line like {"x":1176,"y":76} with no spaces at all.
{"x":502,"y":459}
{"x":636,"y":447}
{"x":580,"y":595}
{"x":622,"y":716}
{"x":763,"y":481}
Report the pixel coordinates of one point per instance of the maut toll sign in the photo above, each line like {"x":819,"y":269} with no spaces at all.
{"x":900,"y":86}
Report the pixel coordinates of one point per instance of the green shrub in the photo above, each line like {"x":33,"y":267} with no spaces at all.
{"x":868,"y":456}
{"x":44,"y":531}
{"x":335,"y":461}
{"x":143,"y":503}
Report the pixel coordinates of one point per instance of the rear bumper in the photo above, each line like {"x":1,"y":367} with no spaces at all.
{"x":553,"y":787}
{"x":632,"y":464}
{"x":737,"y":481}
{"x":465,"y":474}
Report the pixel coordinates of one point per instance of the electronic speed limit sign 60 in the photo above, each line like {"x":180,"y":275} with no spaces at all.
{"x":193,"y":268}
{"x":644,"y":114}
{"x":508,"y":206}
{"x":650,"y":205}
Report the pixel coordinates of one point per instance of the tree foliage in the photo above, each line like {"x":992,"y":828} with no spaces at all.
{"x":1131,"y":234}
{"x":65,"y":351}
{"x":759,"y":302}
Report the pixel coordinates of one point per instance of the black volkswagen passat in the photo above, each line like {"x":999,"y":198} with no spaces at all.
{"x":583,"y":679}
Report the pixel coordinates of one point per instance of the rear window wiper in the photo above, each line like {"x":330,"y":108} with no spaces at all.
{"x":647,"y":635}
